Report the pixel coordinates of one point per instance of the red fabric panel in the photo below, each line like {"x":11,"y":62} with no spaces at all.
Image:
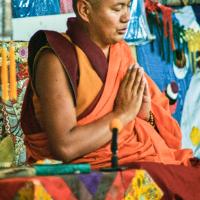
{"x":120,"y":185}
{"x":55,"y":186}
{"x":176,"y":181}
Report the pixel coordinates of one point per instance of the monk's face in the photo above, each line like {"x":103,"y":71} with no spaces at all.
{"x":108,"y":21}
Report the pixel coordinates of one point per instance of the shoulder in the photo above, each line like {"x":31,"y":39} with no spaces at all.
{"x":47,"y":59}
{"x":38,"y":41}
{"x":49,"y":68}
{"x":51,"y":82}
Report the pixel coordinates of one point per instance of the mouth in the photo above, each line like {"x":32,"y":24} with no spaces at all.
{"x":122,"y":31}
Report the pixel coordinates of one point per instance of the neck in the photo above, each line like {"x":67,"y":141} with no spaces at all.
{"x":106,"y":52}
{"x":104,"y":47}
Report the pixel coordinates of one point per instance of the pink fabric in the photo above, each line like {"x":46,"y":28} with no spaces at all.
{"x":66,"y":6}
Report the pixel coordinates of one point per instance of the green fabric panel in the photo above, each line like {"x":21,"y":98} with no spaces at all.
{"x":7,"y":150}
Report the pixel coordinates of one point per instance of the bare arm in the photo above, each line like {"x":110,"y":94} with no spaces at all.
{"x":68,"y":141}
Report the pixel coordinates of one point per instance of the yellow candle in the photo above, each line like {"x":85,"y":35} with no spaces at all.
{"x":13,"y":82}
{"x":4,"y":75}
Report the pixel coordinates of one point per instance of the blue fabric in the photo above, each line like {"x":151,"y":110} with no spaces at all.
{"x":138,"y":30}
{"x":27,"y":8}
{"x":196,"y":9}
{"x":162,"y":72}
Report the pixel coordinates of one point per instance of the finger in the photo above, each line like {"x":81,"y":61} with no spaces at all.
{"x":146,"y":95}
{"x":146,"y":90}
{"x":141,"y":88}
{"x":137,"y":65}
{"x":128,"y":73}
{"x":131,"y":79}
{"x":137,"y":81}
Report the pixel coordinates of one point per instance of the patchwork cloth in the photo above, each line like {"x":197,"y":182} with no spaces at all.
{"x":10,"y":110}
{"x":128,"y":185}
{"x":33,"y":190}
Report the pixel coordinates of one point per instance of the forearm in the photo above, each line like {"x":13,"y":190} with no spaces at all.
{"x":81,"y":140}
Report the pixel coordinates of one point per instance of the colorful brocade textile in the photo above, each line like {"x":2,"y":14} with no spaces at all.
{"x":11,"y":109}
{"x":179,"y":2}
{"x":124,"y":185}
{"x":141,"y":181}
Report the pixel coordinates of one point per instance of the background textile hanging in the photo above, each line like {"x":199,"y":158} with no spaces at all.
{"x":138,"y":30}
{"x":10,"y":111}
{"x":66,"y":6}
{"x":5,"y":19}
{"x":28,"y":8}
{"x":179,"y":2}
{"x":162,"y":72}
{"x":190,"y":116}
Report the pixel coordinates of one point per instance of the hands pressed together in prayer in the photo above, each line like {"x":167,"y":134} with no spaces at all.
{"x":133,"y":98}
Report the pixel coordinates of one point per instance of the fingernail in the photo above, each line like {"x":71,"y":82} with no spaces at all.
{"x":130,"y":68}
{"x":137,"y":65}
{"x":140,"y":70}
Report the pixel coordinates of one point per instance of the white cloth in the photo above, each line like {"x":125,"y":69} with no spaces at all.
{"x":191,"y":112}
{"x":187,"y":18}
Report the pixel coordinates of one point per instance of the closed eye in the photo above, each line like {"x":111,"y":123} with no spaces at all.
{"x":121,"y":6}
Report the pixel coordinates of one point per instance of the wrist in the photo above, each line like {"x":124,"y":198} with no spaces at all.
{"x":151,"y":119}
{"x":148,"y":117}
{"x":124,"y":118}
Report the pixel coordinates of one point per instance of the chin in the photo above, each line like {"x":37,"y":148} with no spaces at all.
{"x":117,"y":39}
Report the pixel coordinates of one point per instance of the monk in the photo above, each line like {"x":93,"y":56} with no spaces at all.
{"x":81,"y":80}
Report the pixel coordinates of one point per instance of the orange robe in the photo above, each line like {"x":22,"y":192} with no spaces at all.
{"x":138,"y":140}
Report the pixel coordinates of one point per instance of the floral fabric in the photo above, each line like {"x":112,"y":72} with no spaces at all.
{"x":10,"y":110}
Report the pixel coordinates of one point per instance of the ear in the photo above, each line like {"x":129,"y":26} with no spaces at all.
{"x":83,"y":9}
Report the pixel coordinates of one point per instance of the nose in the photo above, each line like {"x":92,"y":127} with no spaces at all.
{"x":125,"y":16}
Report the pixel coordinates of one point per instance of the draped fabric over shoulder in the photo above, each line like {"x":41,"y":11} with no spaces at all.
{"x":95,"y":83}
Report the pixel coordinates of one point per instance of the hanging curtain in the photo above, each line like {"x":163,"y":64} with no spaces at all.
{"x":138,"y":31}
{"x":179,"y":2}
{"x":5,"y":19}
{"x":28,"y":8}
{"x":66,"y":6}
